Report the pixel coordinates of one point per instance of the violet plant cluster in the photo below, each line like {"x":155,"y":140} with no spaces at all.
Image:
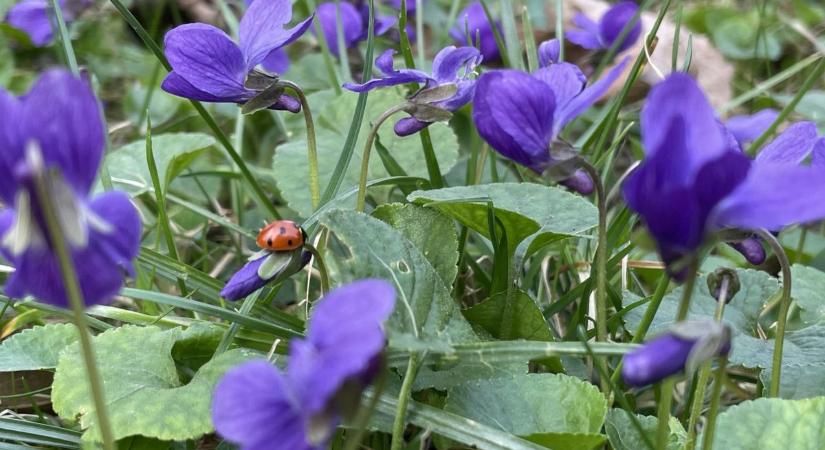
{"x":696,"y":185}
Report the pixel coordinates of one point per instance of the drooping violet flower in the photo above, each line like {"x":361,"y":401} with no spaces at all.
{"x":694,"y":182}
{"x":55,"y":134}
{"x":261,"y":408}
{"x":263,"y":268}
{"x":520,"y":114}
{"x":354,"y":23}
{"x":208,"y":66}
{"x":32,"y":17}
{"x":452,"y":65}
{"x":686,"y":346}
{"x":472,"y":20}
{"x":747,"y":128}
{"x":602,"y":35}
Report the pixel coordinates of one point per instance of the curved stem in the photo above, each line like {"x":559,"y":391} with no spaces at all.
{"x":312,"y":143}
{"x":687,"y":293}
{"x":600,"y":264}
{"x":399,"y":423}
{"x":665,"y":402}
{"x":72,"y":288}
{"x":359,"y":424}
{"x":365,"y":158}
{"x":784,"y":306}
{"x":707,"y":442}
{"x":704,"y":372}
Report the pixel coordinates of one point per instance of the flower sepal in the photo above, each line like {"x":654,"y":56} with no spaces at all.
{"x":711,"y":339}
{"x":280,"y":265}
{"x":264,"y":99}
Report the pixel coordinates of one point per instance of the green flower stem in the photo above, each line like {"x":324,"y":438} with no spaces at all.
{"x":246,"y":308}
{"x":399,"y":423}
{"x":529,"y":40}
{"x":813,"y":77}
{"x":600,"y":266}
{"x":666,"y":398}
{"x":647,"y":319}
{"x":64,"y":38}
{"x":419,"y":31}
{"x":72,"y":286}
{"x":433,"y":170}
{"x":365,"y":412}
{"x":716,"y":395}
{"x":511,"y":40}
{"x":665,"y":403}
{"x":704,"y":373}
{"x":365,"y":158}
{"x":246,"y":174}
{"x":312,"y":145}
{"x":163,"y":220}
{"x":687,"y":292}
{"x":784,"y":306}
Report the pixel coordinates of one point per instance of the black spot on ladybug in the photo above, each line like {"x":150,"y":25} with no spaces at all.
{"x":289,"y":242}
{"x":283,"y":230}
{"x":269,"y":242}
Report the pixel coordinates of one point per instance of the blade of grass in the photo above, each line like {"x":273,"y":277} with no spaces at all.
{"x":511,"y":40}
{"x":280,"y":330}
{"x":344,"y":160}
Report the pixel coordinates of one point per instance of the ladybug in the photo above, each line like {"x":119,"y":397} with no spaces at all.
{"x":280,"y":236}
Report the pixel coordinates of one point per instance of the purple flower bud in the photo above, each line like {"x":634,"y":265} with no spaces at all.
{"x":250,"y":277}
{"x":579,"y":182}
{"x":751,"y":248}
{"x":549,"y":52}
{"x":687,"y":345}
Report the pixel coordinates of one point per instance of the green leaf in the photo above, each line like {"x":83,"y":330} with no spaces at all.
{"x":624,"y":436}
{"x":453,"y":426}
{"x":799,"y":381}
{"x":772,"y":424}
{"x":544,"y":213}
{"x":36,"y":348}
{"x":808,"y":286}
{"x":526,"y":319}
{"x":290,"y":168}
{"x":143,"y":391}
{"x":544,"y":408}
{"x":369,"y":248}
{"x":735,"y":35}
{"x":173,"y":153}
{"x":431,"y":232}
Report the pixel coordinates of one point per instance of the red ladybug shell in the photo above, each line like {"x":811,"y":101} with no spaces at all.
{"x":281,"y":235}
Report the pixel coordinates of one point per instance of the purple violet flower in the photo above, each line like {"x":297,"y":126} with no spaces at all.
{"x":549,"y":52}
{"x":55,"y":133}
{"x":208,"y":66}
{"x":693,"y":181}
{"x":263,"y":268}
{"x":473,"y":20}
{"x":602,"y":35}
{"x":452,"y":65}
{"x":520,"y":114}
{"x":684,"y":347}
{"x":261,"y":408}
{"x":747,"y":128}
{"x":32,"y":17}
